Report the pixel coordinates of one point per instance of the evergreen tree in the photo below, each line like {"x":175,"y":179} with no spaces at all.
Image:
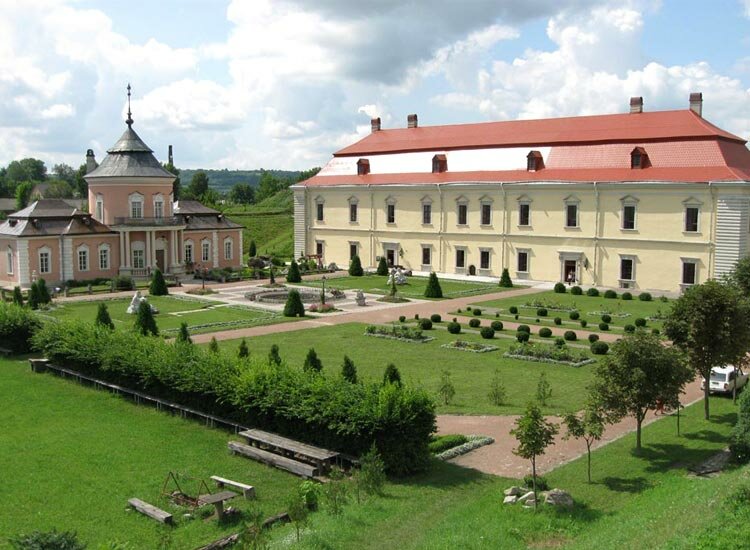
{"x":355,"y":267}
{"x":543,"y":390}
{"x":273,"y":355}
{"x":213,"y":345}
{"x":505,"y":281}
{"x":243,"y":351}
{"x":293,"y":306}
{"x":391,"y":375}
{"x":348,"y":370}
{"x":158,"y":286}
{"x":433,"y":289}
{"x":183,"y":336}
{"x":43,"y":292}
{"x":34,"y":296}
{"x":253,"y":251}
{"x":144,"y":320}
{"x":17,"y":296}
{"x":312,"y":362}
{"x":293,"y":275}
{"x":103,"y":318}
{"x":382,"y":267}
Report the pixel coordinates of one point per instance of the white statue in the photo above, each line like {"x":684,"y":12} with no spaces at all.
{"x":136,"y":302}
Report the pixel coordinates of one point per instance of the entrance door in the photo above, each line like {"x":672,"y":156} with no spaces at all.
{"x":570,"y":269}
{"x":160,"y":260}
{"x":390,"y":257}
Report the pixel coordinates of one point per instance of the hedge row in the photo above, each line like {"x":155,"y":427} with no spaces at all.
{"x":17,"y":325}
{"x":311,"y":407}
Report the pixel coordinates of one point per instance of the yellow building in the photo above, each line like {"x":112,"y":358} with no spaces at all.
{"x":640,"y":200}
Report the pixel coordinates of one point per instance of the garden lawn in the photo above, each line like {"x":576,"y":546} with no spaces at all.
{"x":635,"y":501}
{"x":588,"y":307}
{"x":72,"y":456}
{"x":378,"y":284}
{"x":201,"y":315}
{"x":422,"y":364}
{"x":273,"y":232}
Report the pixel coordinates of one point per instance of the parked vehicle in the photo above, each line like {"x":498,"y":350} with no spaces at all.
{"x":724,"y":379}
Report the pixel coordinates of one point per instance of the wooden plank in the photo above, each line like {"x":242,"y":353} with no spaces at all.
{"x":151,"y":511}
{"x":216,"y":497}
{"x":294,"y":466}
{"x":247,"y":490}
{"x":275,"y":440}
{"x":5,"y":351}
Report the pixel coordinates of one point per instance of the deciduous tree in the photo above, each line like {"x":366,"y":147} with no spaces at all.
{"x":589,"y":426}
{"x":534,"y":435}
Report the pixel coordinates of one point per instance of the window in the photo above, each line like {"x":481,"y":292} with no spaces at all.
{"x":628,"y":216}
{"x":439,"y":164}
{"x":689,"y":272}
{"x":104,"y":257}
{"x":524,"y":213}
{"x":571,"y":215}
{"x":139,"y":259}
{"x":353,"y":250}
{"x":534,"y":161}
{"x":460,"y":258}
{"x":486,"y":213}
{"x":319,"y":211}
{"x":45,"y":256}
{"x":462,"y":211}
{"x":188,"y":252}
{"x":426,"y":255}
{"x":9,"y":261}
{"x":158,"y":208}
{"x":228,"y":245}
{"x":638,"y":158}
{"x":426,"y":213}
{"x":353,"y":212}
{"x":136,"y":205}
{"x":691,"y":219}
{"x":390,"y":213}
{"x":205,"y":251}
{"x":99,"y":208}
{"x":319,"y":248}
{"x":484,"y":259}
{"x":523,"y":261}
{"x":627,"y":269}
{"x":363,"y":167}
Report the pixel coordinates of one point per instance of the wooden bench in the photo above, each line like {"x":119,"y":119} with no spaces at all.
{"x":6,"y":352}
{"x":247,"y":490}
{"x":288,"y":464}
{"x":151,"y":511}
{"x":322,"y":458}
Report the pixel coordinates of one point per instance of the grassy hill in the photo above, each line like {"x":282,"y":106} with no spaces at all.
{"x":270,"y":223}
{"x":223,"y":180}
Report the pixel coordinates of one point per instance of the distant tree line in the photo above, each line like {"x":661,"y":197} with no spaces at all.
{"x":28,"y":179}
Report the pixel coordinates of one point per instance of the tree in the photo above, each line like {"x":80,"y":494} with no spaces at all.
{"x":271,"y":276}
{"x":176,"y":186}
{"x":433,"y":289}
{"x":293,"y":306}
{"x":59,"y":189}
{"x":43,"y":292}
{"x":144,"y":320}
{"x":243,"y":351}
{"x":253,"y":251}
{"x":28,"y":169}
{"x":740,"y":275}
{"x":371,"y":475}
{"x":273,"y":355}
{"x":638,"y":372}
{"x":213,"y":345}
{"x":17,"y":296}
{"x":312,"y":362}
{"x":197,"y":188}
{"x":65,"y":172}
{"x":269,"y":185}
{"x":183,"y":336}
{"x":81,"y":187}
{"x":534,"y":435}
{"x":34,"y":300}
{"x":293,"y":275}
{"x":543,"y":390}
{"x":505,"y":281}
{"x":711,"y":323}
{"x":23,"y":194}
{"x":589,"y":426}
{"x":497,"y":390}
{"x":355,"y":267}
{"x":348,"y":370}
{"x":391,"y":375}
{"x":102,"y":316}
{"x":158,"y":286}
{"x":298,"y":512}
{"x":446,"y":389}
{"x":242,"y":193}
{"x":382,"y":266}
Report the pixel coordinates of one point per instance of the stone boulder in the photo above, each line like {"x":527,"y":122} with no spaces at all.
{"x":514,"y":491}
{"x":558,"y":497}
{"x":510,"y":499}
{"x":525,"y":497}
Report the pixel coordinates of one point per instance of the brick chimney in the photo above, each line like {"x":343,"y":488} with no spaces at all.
{"x":636,"y":105}
{"x":411,"y":121}
{"x":375,"y":125}
{"x":91,"y":163}
{"x":696,"y":103}
{"x":169,"y":156}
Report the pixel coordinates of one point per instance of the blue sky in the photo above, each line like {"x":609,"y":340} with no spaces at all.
{"x":284,"y":83}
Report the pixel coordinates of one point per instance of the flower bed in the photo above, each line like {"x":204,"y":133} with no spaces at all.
{"x":322,"y":308}
{"x":473,"y":347}
{"x":475,"y":441}
{"x":611,"y":314}
{"x":549,"y":354}
{"x":398,"y":332}
{"x":553,"y":306}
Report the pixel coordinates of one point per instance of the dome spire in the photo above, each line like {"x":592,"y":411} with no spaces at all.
{"x":129,"y":120}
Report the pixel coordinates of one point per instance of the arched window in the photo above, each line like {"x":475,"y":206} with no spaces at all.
{"x":45,"y":259}
{"x":99,"y":207}
{"x":83,"y":257}
{"x":138,"y":254}
{"x":205,"y":250}
{"x":189,"y":251}
{"x":9,"y":261}
{"x":103,"y":256}
{"x":136,"y":205}
{"x":228,"y":248}
{"x":158,"y":205}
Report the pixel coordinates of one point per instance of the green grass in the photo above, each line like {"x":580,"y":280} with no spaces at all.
{"x":273,"y":232}
{"x":72,"y":456}
{"x":422,"y":364}
{"x":587,"y":306}
{"x":172,"y":312}
{"x":378,"y":284}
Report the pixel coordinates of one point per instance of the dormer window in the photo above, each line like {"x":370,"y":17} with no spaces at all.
{"x":363,"y":167}
{"x":638,"y":158}
{"x":439,"y":164}
{"x":534,"y":161}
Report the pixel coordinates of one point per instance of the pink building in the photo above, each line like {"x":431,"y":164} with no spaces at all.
{"x":133,"y":227}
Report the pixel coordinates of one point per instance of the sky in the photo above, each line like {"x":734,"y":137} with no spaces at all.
{"x":283,"y":84}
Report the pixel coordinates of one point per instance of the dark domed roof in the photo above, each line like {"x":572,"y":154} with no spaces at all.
{"x":130,"y":157}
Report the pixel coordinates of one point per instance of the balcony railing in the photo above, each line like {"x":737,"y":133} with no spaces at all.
{"x":164,"y":221}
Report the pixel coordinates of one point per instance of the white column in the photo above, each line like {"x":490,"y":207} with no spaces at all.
{"x":173,"y":245}
{"x":127,"y":249}
{"x":122,"y":250}
{"x":24,"y":271}
{"x":148,"y":249}
{"x":215,"y":246}
{"x":153,"y":249}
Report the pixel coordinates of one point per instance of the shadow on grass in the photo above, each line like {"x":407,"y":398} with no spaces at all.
{"x":627,"y":485}
{"x":706,"y":435}
{"x":444,"y":475}
{"x":664,"y":457}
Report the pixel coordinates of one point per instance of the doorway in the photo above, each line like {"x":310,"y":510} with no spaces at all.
{"x":390,"y":257}
{"x":570,"y":271}
{"x":160,"y":260}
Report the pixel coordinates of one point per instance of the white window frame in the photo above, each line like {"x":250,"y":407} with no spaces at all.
{"x":82,"y":258}
{"x":205,"y":250}
{"x":158,"y":205}
{"x":629,"y":202}
{"x":99,"y":208}
{"x":230,"y":249}
{"x":103,"y":254}
{"x":462,"y":203}
{"x":9,"y":260}
{"x":45,"y":251}
{"x":696,"y":263}
{"x":463,"y":250}
{"x":133,"y":200}
{"x":426,"y":201}
{"x":138,"y":254}
{"x":572,"y":201}
{"x":489,"y":259}
{"x":188,"y":251}
{"x":353,"y":209}
{"x":429,"y":251}
{"x":390,"y":202}
{"x":527,"y":252}
{"x":524,"y":200}
{"x":632,"y":258}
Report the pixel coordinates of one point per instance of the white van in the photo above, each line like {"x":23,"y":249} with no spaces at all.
{"x":723,"y":379}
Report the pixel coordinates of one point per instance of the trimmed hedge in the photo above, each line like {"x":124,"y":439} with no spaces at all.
{"x":435,"y":318}
{"x":593,"y":338}
{"x":593,"y":292}
{"x":487,"y":333}
{"x":630,"y":329}
{"x":560,"y":288}
{"x":606,"y":318}
{"x":545,"y":332}
{"x":524,"y":328}
{"x":477,"y":311}
{"x":558,"y":321}
{"x":513,"y":310}
{"x":496,"y":325}
{"x":522,"y":336}
{"x":627,"y":296}
{"x":454,"y":327}
{"x":610,"y":294}
{"x":402,"y":318}
{"x":542,"y":312}
{"x":645,"y":297}
{"x":584,"y":322}
{"x":425,"y":324}
{"x":574,"y":315}
{"x":440,"y":443}
{"x":640,"y":322}
{"x":599,"y":348}
{"x":576,"y":290}
{"x":17,"y":325}
{"x":329,"y":412}
{"x":474,"y":323}
{"x":603,"y":326}
{"x":570,"y":336}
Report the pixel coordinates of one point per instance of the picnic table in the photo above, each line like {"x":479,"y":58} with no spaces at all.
{"x":323,"y":458}
{"x":218,"y":500}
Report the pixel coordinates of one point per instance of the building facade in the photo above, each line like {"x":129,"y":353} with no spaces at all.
{"x":133,"y":226}
{"x":640,"y":200}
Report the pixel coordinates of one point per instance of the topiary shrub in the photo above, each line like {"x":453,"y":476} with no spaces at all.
{"x":558,"y":321}
{"x":474,"y":323}
{"x":655,"y":331}
{"x":645,"y":297}
{"x":497,"y":314}
{"x":497,"y":325}
{"x":487,"y":333}
{"x":513,"y":310}
{"x":522,"y":336}
{"x":559,"y":342}
{"x":560,"y":288}
{"x":593,"y":292}
{"x":576,"y":290}
{"x":435,"y":318}
{"x":603,"y":326}
{"x":355,"y":267}
{"x":599,"y":348}
{"x":158,"y":286}
{"x":382,"y":267}
{"x":454,"y":327}
{"x":123,"y":282}
{"x":610,"y":294}
{"x":640,"y":322}
{"x":524,"y":328}
{"x":607,"y":318}
{"x":545,"y":332}
{"x":293,"y":306}
{"x":505,"y":280}
{"x":293,"y":275}
{"x":402,"y":318}
{"x":433,"y":289}
{"x":516,"y":316}
{"x":477,"y":311}
{"x":593,"y":338}
{"x":541,"y":312}
{"x":574,"y":315}
{"x":584,"y":322}
{"x":425,"y":324}
{"x":627,"y":296}
{"x":630,"y":329}
{"x":570,"y":336}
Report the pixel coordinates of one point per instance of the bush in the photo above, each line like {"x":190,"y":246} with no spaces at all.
{"x":610,"y":294}
{"x":570,"y":336}
{"x":576,"y":290}
{"x":513,"y":310}
{"x":522,"y":336}
{"x":442,"y":443}
{"x":477,"y":311}
{"x":416,"y":316}
{"x":402,"y":318}
{"x":599,"y":348}
{"x":145,"y":323}
{"x":293,"y":275}
{"x":312,"y":361}
{"x":560,"y":288}
{"x":640,"y":322}
{"x":545,"y":332}
{"x":541,"y":312}
{"x":49,"y":540}
{"x":524,"y":328}
{"x":606,"y":318}
{"x":630,"y":329}
{"x":435,"y":318}
{"x":739,"y":440}
{"x":425,"y":324}
{"x":102,"y":316}
{"x":433,"y":289}
{"x":497,"y":325}
{"x":474,"y":323}
{"x":123,"y":282}
{"x":454,"y":327}
{"x":158,"y":286}
{"x":382,"y":267}
{"x":355,"y":267}
{"x":43,"y":291}
{"x":505,"y":280}
{"x":559,"y":342}
{"x":294,"y":306}
{"x":593,"y":338}
{"x":584,"y":322}
{"x":603,"y":326}
{"x":593,"y":292}
{"x":541,"y":483}
{"x":487,"y":333}
{"x":516,"y":317}
{"x":645,"y":297}
{"x":655,"y":331}
{"x":558,"y":321}
{"x":574,"y":315}
{"x":627,"y":296}
{"x":17,"y":326}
